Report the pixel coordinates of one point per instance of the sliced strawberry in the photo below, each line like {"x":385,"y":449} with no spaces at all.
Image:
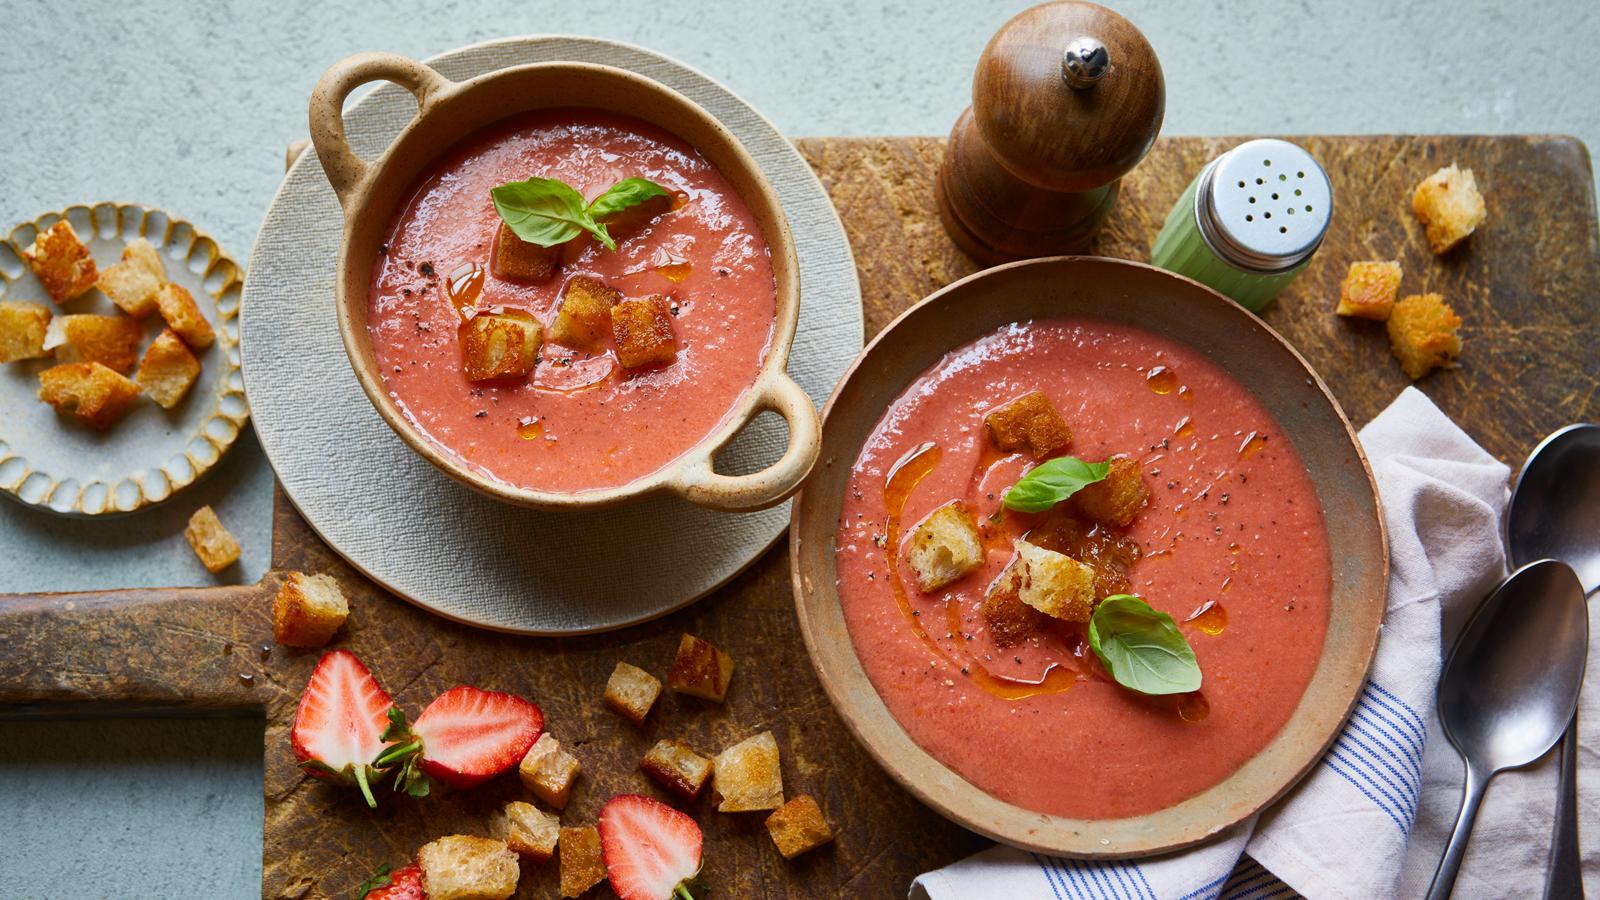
{"x":651,"y":850}
{"x":465,"y":737}
{"x":401,"y":884}
{"x":338,"y":727}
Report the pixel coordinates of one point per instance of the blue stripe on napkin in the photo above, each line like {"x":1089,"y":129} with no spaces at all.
{"x":1379,"y":753}
{"x":1250,"y":881}
{"x":1073,"y":879}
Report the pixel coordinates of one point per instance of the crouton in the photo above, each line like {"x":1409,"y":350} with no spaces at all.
{"x":1028,"y":424}
{"x":747,"y":776}
{"x":584,"y":317}
{"x":1369,"y":290}
{"x":643,"y":332}
{"x":1423,"y":333}
{"x":463,"y":867}
{"x":945,"y":546}
{"x":700,"y":669}
{"x":677,"y":767}
{"x":61,"y":262}
{"x":500,"y":345}
{"x":631,"y":691}
{"x":211,"y":541}
{"x":134,"y":284}
{"x":168,"y":369}
{"x":22,"y":330}
{"x":89,"y":392}
{"x":549,"y":771}
{"x":798,"y":826}
{"x":183,"y":316}
{"x":1448,"y":205}
{"x":112,"y":341}
{"x":1050,"y":582}
{"x":582,"y":864}
{"x":1009,"y":619}
{"x":308,"y":610}
{"x":1117,"y":498}
{"x":529,"y":831}
{"x":515,"y":259}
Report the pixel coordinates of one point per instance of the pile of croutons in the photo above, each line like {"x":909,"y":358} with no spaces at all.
{"x":1423,"y":329}
{"x":95,"y":353}
{"x":1039,"y":585}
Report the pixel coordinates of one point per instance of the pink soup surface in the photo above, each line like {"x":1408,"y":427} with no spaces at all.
{"x":579,"y":421}
{"x":1233,"y":520}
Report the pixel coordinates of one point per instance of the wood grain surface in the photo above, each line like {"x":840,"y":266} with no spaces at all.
{"x":1528,"y":286}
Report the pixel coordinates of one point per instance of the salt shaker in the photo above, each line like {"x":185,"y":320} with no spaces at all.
{"x":1249,"y":222}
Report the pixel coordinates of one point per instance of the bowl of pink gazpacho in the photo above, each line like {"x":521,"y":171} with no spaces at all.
{"x":566,"y":285}
{"x":1094,"y":564}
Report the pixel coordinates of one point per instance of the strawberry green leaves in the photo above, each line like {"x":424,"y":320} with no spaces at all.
{"x":1142,"y":647}
{"x":1051,"y":482}
{"x":547,"y":211}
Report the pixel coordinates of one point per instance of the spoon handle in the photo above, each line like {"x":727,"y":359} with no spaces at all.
{"x":1444,"y":880}
{"x":1566,"y":873}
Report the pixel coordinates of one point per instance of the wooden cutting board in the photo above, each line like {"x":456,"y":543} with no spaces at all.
{"x":1528,"y":286}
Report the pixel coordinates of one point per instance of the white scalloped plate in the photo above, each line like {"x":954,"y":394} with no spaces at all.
{"x":53,"y":463}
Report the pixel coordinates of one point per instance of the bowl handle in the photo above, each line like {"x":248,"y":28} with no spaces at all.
{"x":702,"y":485}
{"x":344,"y":168}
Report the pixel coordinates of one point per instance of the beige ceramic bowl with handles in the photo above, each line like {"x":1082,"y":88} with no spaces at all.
{"x":371,"y":193}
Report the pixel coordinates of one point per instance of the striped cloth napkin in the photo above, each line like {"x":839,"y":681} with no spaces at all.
{"x":1371,"y":819}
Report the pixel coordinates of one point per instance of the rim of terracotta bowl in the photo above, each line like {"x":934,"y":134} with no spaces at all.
{"x":371,"y":192}
{"x":1169,"y":305}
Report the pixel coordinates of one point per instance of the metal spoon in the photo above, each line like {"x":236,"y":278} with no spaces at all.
{"x":1510,"y":686}
{"x":1555,"y":514}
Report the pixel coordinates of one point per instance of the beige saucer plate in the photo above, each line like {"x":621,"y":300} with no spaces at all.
{"x":55,"y":464}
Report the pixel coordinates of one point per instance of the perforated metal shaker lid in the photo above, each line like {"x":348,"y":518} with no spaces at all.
{"x":1264,"y":205}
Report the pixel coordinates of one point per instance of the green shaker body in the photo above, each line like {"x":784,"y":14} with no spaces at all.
{"x":1181,"y":248}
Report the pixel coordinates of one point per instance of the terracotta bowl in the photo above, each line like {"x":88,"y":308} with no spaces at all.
{"x":1180,"y":310}
{"x":447,"y":111}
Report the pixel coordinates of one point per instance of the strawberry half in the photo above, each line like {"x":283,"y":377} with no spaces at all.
{"x":652,"y":851}
{"x":338,"y":727}
{"x":465,"y":737}
{"x":402,"y":884}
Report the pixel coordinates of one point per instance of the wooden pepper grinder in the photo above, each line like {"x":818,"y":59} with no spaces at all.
{"x":1067,"y":98}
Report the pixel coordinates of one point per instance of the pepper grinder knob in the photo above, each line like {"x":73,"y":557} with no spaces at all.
{"x":1067,"y":98}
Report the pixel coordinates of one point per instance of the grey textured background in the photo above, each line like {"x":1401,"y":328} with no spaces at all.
{"x":188,"y":106}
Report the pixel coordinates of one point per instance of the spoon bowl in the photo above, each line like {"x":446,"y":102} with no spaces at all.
{"x":1555,"y":505}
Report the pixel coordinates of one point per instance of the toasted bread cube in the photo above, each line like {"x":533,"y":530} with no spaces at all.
{"x":1369,"y":290}
{"x":112,"y":341}
{"x":677,"y":767}
{"x":643,"y":332}
{"x":211,"y":541}
{"x":631,"y":691}
{"x":529,"y":831}
{"x":700,"y":669}
{"x":463,"y":867}
{"x":1117,"y":498}
{"x":168,"y":369}
{"x":584,"y":317}
{"x":582,"y":864}
{"x":61,"y":262}
{"x":89,"y":392}
{"x":549,"y":771}
{"x":747,"y":776}
{"x":1448,"y":205}
{"x":518,"y":260}
{"x":308,"y":610}
{"x":183,"y":316}
{"x":945,"y":546}
{"x":1009,"y":619}
{"x":134,"y":284}
{"x":1050,"y":582}
{"x":1028,"y":424}
{"x":1423,"y":333}
{"x":798,"y":826}
{"x":22,"y":330}
{"x":500,"y":345}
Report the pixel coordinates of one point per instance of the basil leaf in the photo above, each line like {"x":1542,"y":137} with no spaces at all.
{"x":379,"y":879}
{"x":1142,"y":648}
{"x":1051,"y":482}
{"x":624,"y":194}
{"x":546,"y":212}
